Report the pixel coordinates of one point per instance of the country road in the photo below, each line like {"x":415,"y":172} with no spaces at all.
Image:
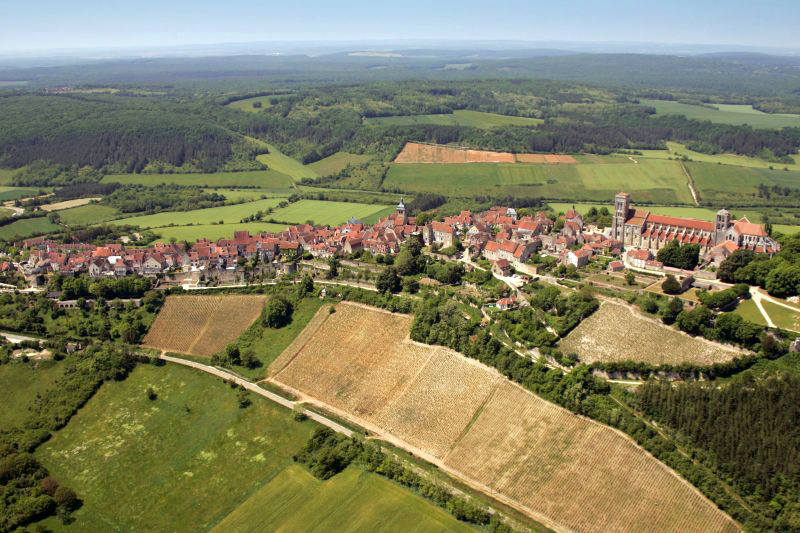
{"x":16,"y":338}
{"x":252,"y":387}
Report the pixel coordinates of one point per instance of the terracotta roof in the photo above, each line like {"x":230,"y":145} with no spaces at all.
{"x":745,"y":227}
{"x":692,"y":223}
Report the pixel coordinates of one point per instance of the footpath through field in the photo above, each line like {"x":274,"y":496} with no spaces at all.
{"x":252,"y":387}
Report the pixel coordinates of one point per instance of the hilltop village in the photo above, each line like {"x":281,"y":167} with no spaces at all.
{"x":498,"y":235}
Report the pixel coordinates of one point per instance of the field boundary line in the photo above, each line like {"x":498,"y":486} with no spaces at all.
{"x":690,"y":183}
{"x":386,"y":408}
{"x":478,"y":412}
{"x":306,"y":340}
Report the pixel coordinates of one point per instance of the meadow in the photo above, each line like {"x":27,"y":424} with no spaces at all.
{"x":652,"y":181}
{"x":333,"y":164}
{"x":226,"y":214}
{"x":246,"y":104}
{"x":5,"y":212}
{"x":88,"y":214}
{"x":279,"y":162}
{"x":12,"y":193}
{"x":725,"y":114}
{"x":214,"y":231}
{"x":729,"y":184}
{"x":20,"y":384}
{"x":359,"y":363}
{"x":462,"y":117}
{"x":202,"y":325}
{"x":248,"y":195}
{"x":329,"y":213}
{"x":28,"y":227}
{"x":616,"y":332}
{"x":265,"y":179}
{"x":5,"y":175}
{"x":68,"y":204}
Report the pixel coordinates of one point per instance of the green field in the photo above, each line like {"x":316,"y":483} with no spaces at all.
{"x":265,"y":179}
{"x":12,"y":193}
{"x":353,"y":501}
{"x":193,"y":458}
{"x":279,"y":162}
{"x":226,"y":213}
{"x":20,"y":383}
{"x":652,"y":180}
{"x":88,"y":214}
{"x":330,"y":213}
{"x":28,"y":227}
{"x":5,"y":175}
{"x":214,"y":231}
{"x":678,"y":150}
{"x":725,"y":114}
{"x":5,"y":212}
{"x":725,"y":183}
{"x":748,"y":310}
{"x":247,"y":103}
{"x":782,"y":317}
{"x":249,"y":195}
{"x":333,"y":164}
{"x":475,"y":119}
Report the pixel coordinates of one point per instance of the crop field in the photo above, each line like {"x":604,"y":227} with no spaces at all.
{"x":461,"y":117}
{"x":617,"y":333}
{"x":12,"y":193}
{"x":265,"y":179}
{"x":415,"y":153}
{"x":67,"y":204}
{"x":333,"y":164}
{"x":248,"y":195}
{"x":202,"y":325}
{"x":725,"y":114}
{"x":328,"y":213}
{"x":28,"y":227}
{"x":651,"y":181}
{"x":227,"y":213}
{"x":556,"y":467}
{"x":214,"y":231}
{"x":88,"y":214}
{"x":721,"y":183}
{"x":279,"y":162}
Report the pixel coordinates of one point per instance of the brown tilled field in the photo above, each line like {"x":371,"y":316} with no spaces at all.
{"x":434,"y":153}
{"x":569,"y":472}
{"x":202,"y":325}
{"x":617,"y":333}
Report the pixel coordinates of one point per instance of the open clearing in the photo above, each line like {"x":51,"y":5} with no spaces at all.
{"x":461,"y":117}
{"x":214,"y":231}
{"x":725,"y":114}
{"x":275,"y":160}
{"x":556,"y":467}
{"x":193,"y":457}
{"x":439,"y":154}
{"x":226,"y":213}
{"x":28,"y":227}
{"x":66,"y":204}
{"x":264,"y":179}
{"x":12,"y":193}
{"x":615,"y":332}
{"x":327,"y":213}
{"x":653,"y":180}
{"x":202,"y":325}
{"x":20,"y":383}
{"x":678,"y":150}
{"x":88,"y":214}
{"x":248,"y":195}
{"x":333,"y":164}
{"x":721,"y":183}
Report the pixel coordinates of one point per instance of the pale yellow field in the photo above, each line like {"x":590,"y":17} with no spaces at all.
{"x":202,"y":325}
{"x":566,"y":471}
{"x":617,"y":333}
{"x":66,"y":204}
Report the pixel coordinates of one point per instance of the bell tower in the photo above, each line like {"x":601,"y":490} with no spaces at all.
{"x":622,"y":204}
{"x":402,"y":214}
{"x":722,"y":223}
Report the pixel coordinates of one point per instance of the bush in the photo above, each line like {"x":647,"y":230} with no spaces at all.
{"x":278,"y":312}
{"x":670,"y":285}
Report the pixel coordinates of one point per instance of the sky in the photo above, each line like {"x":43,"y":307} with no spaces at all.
{"x":60,"y":24}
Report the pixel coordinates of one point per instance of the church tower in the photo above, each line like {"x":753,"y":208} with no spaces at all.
{"x":402,"y":214}
{"x":723,"y":222}
{"x":622,"y":204}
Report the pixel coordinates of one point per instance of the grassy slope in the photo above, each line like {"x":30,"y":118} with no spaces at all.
{"x":12,"y":193}
{"x":653,"y":180}
{"x":19,"y":385}
{"x":267,"y":343}
{"x":353,"y":501}
{"x":227,"y":213}
{"x":728,"y":114}
{"x":193,"y":459}
{"x":748,"y":310}
{"x":284,"y":164}
{"x":88,"y":214}
{"x":726,"y":182}
{"x":5,"y":176}
{"x":333,"y":164}
{"x":475,"y":119}
{"x":269,"y":179}
{"x":215,"y":231}
{"x":322,"y":212}
{"x":248,"y":195}
{"x":782,"y":317}
{"x":27,"y":227}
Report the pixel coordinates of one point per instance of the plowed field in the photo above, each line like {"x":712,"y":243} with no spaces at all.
{"x":433,"y":153}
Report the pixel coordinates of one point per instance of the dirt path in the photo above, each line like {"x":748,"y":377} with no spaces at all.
{"x":632,"y":159}
{"x":757,"y":300}
{"x":690,"y":182}
{"x":252,"y":387}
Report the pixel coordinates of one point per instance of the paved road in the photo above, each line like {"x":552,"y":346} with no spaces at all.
{"x":252,"y":387}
